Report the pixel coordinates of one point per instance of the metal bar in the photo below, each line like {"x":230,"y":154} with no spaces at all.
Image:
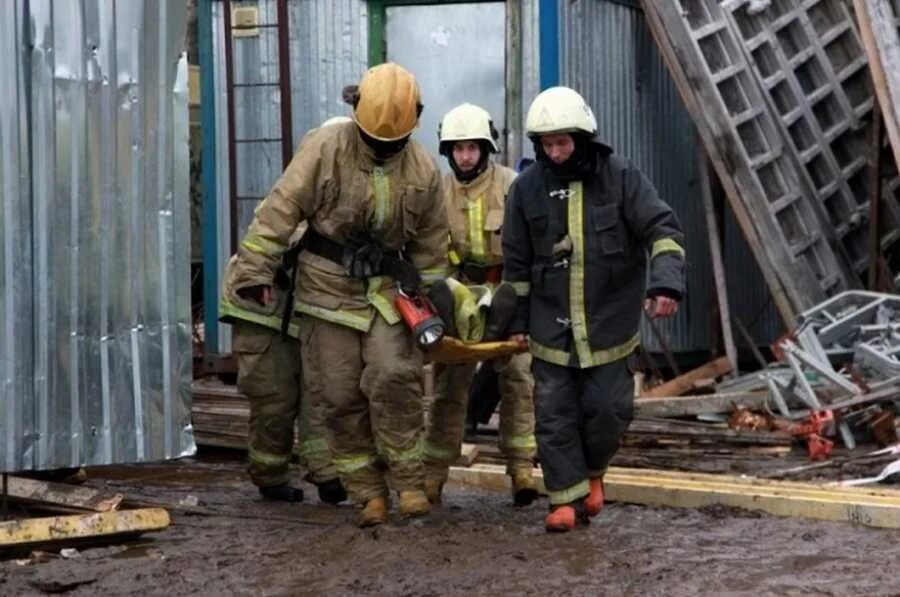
{"x":266,"y":84}
{"x":229,"y":95}
{"x":253,"y":27}
{"x":548,"y":25}
{"x":259,"y":140}
{"x":284,"y":80}
{"x":667,"y":352}
{"x":208,"y":174}
{"x":5,"y":496}
{"x":874,"y":182}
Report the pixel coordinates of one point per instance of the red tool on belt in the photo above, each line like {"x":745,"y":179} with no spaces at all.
{"x":419,"y":316}
{"x":812,"y":429}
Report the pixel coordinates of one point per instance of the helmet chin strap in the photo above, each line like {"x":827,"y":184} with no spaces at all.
{"x":475,"y":172}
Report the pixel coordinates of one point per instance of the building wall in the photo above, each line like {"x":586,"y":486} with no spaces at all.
{"x":96,"y":333}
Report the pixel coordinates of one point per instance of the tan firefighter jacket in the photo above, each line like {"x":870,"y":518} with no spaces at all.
{"x":335,"y":185}
{"x":475,"y":212}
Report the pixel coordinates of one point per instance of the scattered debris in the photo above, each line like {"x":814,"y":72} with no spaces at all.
{"x":189,"y":501}
{"x":744,"y":418}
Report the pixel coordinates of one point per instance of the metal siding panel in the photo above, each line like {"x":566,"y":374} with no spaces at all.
{"x":110,"y":312}
{"x":222,"y":160}
{"x":610,"y":57}
{"x":15,"y":244}
{"x":329,"y":50}
{"x":531,"y":64}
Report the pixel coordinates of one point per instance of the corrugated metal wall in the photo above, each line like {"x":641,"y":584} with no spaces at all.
{"x":328,"y":49}
{"x":96,"y":356}
{"x":609,"y":56}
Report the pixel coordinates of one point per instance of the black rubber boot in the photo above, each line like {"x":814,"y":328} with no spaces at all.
{"x":332,"y":492}
{"x":441,"y":297}
{"x":501,"y":312}
{"x":282,"y":493}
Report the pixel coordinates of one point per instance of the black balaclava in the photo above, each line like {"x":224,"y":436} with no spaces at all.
{"x":383,"y":149}
{"x":485,"y":150}
{"x":580,"y":163}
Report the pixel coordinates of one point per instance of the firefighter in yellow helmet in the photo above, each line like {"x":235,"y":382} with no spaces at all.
{"x":269,"y":375}
{"x":586,"y":241}
{"x":474,"y":196}
{"x":371,"y":199}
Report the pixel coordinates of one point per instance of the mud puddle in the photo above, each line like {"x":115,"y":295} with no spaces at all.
{"x":476,"y":544}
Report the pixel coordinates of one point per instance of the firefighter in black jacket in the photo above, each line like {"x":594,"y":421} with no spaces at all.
{"x":581,"y":228}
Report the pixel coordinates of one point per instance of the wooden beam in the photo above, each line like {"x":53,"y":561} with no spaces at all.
{"x":715,"y":252}
{"x":27,"y":531}
{"x":683,"y":383}
{"x":874,"y":192}
{"x":878,"y":28}
{"x":686,"y":406}
{"x":61,"y":496}
{"x":703,"y":432}
{"x":874,"y":507}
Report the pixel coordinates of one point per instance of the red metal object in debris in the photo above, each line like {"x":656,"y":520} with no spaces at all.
{"x":812,"y":430}
{"x":819,"y":448}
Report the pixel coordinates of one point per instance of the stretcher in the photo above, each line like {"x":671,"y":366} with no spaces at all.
{"x":453,"y":351}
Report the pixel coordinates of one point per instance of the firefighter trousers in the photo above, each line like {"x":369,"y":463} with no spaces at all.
{"x":446,"y":425}
{"x":581,"y":416}
{"x":269,"y":375}
{"x":372,"y":388}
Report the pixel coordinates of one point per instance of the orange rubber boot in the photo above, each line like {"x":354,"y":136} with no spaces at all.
{"x":561,"y":519}
{"x":593,"y":503}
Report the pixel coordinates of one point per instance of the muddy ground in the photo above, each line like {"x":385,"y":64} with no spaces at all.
{"x":231,"y":542}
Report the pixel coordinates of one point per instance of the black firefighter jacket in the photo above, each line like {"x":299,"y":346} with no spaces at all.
{"x":577,"y":253}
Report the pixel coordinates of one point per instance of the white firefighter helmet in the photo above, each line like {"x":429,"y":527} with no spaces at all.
{"x":560,"y":110}
{"x":467,"y":122}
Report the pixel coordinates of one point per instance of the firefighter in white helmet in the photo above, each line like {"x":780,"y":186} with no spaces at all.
{"x":474,"y":196}
{"x":582,"y":228}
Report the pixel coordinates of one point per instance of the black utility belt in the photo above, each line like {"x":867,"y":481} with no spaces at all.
{"x":332,"y":250}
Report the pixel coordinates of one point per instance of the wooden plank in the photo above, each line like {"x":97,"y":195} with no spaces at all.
{"x":27,"y":531}
{"x":62,"y":496}
{"x":686,"y":406}
{"x":877,"y":21}
{"x":874,"y":507}
{"x":683,"y":383}
{"x":703,"y":432}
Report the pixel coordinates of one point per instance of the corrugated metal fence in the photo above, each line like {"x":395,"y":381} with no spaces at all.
{"x":96,"y":346}
{"x":609,"y":56}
